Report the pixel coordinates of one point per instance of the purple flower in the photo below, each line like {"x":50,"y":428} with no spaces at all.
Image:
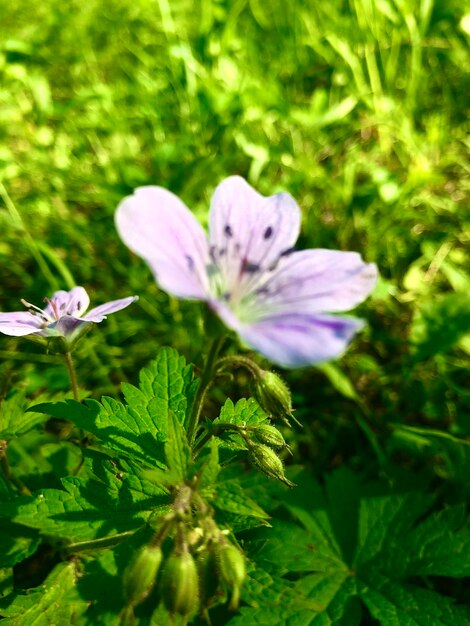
{"x":63,"y":316}
{"x":276,"y":299}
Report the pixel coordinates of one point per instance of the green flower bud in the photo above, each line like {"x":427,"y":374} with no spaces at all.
{"x":232,"y":570}
{"x":139,"y":577}
{"x":269,"y":435}
{"x":266,"y":460}
{"x":208,"y":575}
{"x":179,"y":584}
{"x":273,"y":396}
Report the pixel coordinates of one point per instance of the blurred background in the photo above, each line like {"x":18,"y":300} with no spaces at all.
{"x":357,"y":108}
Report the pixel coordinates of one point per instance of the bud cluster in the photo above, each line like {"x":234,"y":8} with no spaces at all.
{"x":187,"y":562}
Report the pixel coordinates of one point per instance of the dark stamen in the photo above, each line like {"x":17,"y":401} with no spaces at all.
{"x":79,"y":305}
{"x":268,"y":232}
{"x":228,"y":230}
{"x":262,"y":291}
{"x":213,"y":253}
{"x":249,"y":267}
{"x":222,"y":251}
{"x":190,"y":261}
{"x":287,"y":252}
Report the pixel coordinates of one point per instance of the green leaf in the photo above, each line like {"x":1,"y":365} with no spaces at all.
{"x":177,"y":451}
{"x":57,"y":601}
{"x":16,"y":543}
{"x":246,"y":412}
{"x":229,"y":495}
{"x":398,"y":604}
{"x":348,"y":544}
{"x":139,"y":428}
{"x":206,"y":464}
{"x":14,"y":420}
{"x":113,"y":499}
{"x":165,"y":384}
{"x":314,"y":600}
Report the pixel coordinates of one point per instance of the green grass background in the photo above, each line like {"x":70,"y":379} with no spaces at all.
{"x":356,"y":108}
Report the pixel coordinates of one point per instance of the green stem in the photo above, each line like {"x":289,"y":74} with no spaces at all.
{"x":96,"y":544}
{"x":72,"y":375}
{"x":215,"y":430}
{"x":204,"y":384}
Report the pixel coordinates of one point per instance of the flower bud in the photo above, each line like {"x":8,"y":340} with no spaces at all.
{"x":266,"y":460}
{"x":232,"y":570}
{"x":140,"y":576}
{"x":179,"y":584}
{"x":269,"y":435}
{"x":273,"y":395}
{"x":208,"y":575}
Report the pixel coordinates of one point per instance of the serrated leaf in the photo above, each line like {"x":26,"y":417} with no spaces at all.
{"x":290,"y":548}
{"x":230,"y":496}
{"x":393,"y":538}
{"x":56,"y":602}
{"x":110,"y":501}
{"x":138,"y":429}
{"x":177,"y":451}
{"x":315,"y":600}
{"x":438,"y":546}
{"x":246,"y":412}
{"x":397,"y":604}
{"x":384,"y":520}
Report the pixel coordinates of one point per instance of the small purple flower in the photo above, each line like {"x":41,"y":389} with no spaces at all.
{"x":247,"y":271}
{"x":63,"y":316}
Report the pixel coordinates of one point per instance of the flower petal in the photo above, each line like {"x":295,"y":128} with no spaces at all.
{"x":19,"y":323}
{"x":312,"y":281}
{"x":99,"y":313}
{"x":295,"y":339}
{"x":249,"y":232}
{"x":157,"y":226}
{"x":74,"y":302}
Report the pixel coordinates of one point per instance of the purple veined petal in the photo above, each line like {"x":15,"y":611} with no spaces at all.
{"x":20,"y":323}
{"x":249,"y":233}
{"x":157,"y":226}
{"x":312,"y":281}
{"x":99,"y":313}
{"x":297,"y":340}
{"x":74,"y":302}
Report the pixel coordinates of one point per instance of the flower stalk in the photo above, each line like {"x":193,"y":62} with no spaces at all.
{"x":72,"y":375}
{"x":205,"y":382}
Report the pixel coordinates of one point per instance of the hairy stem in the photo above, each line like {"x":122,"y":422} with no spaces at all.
{"x":204,"y":384}
{"x":229,"y":362}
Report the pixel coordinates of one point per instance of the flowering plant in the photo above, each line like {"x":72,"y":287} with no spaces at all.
{"x":278,"y":300}
{"x":64,"y":315}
